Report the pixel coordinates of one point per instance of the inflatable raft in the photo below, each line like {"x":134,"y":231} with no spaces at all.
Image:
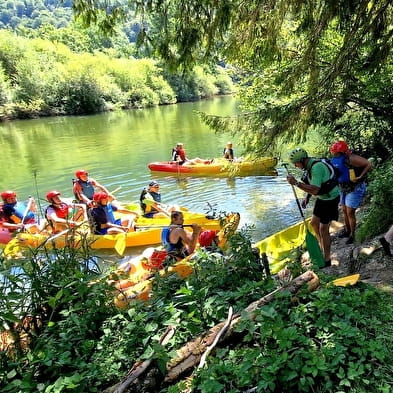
{"x":219,"y":167}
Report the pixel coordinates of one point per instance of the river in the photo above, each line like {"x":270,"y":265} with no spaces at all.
{"x":42,"y":154}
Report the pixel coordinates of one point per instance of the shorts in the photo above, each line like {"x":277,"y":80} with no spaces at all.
{"x":326,"y":210}
{"x":354,"y":198}
{"x":104,"y":231}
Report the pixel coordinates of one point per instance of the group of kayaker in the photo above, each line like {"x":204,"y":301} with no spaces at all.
{"x":338,"y":182}
{"x":95,"y":205}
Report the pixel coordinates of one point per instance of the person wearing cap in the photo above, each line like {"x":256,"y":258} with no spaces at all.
{"x":61,"y":215}
{"x":316,"y":183}
{"x":179,"y":156}
{"x":228,"y":153}
{"x":150,"y":201}
{"x":102,"y":216}
{"x":84,"y":187}
{"x":353,"y":171}
{"x":18,"y":215}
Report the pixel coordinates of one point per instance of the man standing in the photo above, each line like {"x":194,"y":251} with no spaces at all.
{"x":318,"y":182}
{"x":353,"y":170}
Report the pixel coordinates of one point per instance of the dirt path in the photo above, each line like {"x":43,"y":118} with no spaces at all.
{"x":366,"y":258}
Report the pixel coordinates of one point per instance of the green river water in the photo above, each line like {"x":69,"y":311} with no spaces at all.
{"x":43,"y":154}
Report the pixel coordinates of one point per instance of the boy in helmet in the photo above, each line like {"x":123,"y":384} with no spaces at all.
{"x":353,"y":170}
{"x":316,"y":183}
{"x":103,"y":219}
{"x":84,"y":187}
{"x":18,"y":215}
{"x":62,"y":215}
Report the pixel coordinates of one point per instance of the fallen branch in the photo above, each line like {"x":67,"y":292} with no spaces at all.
{"x":220,"y":333}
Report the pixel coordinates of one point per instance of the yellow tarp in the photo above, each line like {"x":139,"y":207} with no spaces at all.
{"x":279,"y":245}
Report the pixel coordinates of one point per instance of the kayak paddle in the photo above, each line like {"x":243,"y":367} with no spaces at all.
{"x":311,"y":241}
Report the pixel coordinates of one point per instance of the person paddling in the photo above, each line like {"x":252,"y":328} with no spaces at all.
{"x":61,"y":215}
{"x":84,"y":187}
{"x":179,"y":156}
{"x":150,"y":201}
{"x":228,"y":153}
{"x":178,"y":242}
{"x":18,"y":215}
{"x":103,"y":219}
{"x":317,"y":183}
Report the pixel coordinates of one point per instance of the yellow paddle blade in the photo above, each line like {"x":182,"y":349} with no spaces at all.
{"x":120,"y":245}
{"x":347,"y":280}
{"x":13,"y":248}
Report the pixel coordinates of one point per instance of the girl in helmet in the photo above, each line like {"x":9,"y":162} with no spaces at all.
{"x":84,"y":187}
{"x":353,"y":170}
{"x":61,"y":215}
{"x":103,"y":219}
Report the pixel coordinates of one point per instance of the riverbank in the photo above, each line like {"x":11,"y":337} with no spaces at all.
{"x":366,"y":258}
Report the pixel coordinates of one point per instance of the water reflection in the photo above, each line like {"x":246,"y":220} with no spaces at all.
{"x":115,"y":148}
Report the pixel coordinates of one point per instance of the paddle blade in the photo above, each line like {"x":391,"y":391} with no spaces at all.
{"x":347,"y":280}
{"x":120,"y":245}
{"x":314,"y":250}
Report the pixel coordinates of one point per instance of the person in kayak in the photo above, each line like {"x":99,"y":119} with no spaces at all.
{"x":62,"y":215}
{"x":317,"y":183}
{"x":178,"y":242}
{"x":228,"y":153}
{"x":179,"y":156}
{"x":102,"y":216}
{"x":150,"y":201}
{"x":84,"y":187}
{"x":18,"y":215}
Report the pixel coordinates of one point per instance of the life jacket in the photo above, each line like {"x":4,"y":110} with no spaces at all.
{"x":61,"y":210}
{"x":329,"y":184}
{"x":156,"y":197}
{"x":178,"y":153}
{"x":87,"y":189}
{"x":175,"y":250}
{"x":346,"y":171}
{"x":13,"y":213}
{"x":228,"y":154}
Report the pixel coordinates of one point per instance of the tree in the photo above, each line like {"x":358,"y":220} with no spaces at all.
{"x":304,"y":62}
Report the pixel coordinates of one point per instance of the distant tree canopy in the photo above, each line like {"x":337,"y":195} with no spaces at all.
{"x":301,"y":62}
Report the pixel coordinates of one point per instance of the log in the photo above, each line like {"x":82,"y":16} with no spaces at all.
{"x":189,"y":356}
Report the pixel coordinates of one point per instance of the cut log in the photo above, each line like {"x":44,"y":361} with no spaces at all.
{"x":189,"y":356}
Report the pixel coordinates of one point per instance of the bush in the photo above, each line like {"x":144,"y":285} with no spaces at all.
{"x":378,"y":216}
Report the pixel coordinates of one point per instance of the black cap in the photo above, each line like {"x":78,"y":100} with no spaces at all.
{"x":153,"y":183}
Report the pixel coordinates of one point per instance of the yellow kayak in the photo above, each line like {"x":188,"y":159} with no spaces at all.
{"x":138,"y":272}
{"x":278,"y":246}
{"x":218,"y":167}
{"x":148,"y":232}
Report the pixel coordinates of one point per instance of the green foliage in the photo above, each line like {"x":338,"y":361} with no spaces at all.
{"x":322,"y":344}
{"x":378,"y":214}
{"x":335,"y":339}
{"x":45,"y":78}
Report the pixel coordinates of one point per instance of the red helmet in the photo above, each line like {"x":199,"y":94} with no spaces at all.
{"x":8,"y":194}
{"x":51,"y":194}
{"x":206,"y":238}
{"x":99,"y":196}
{"x":81,"y":172}
{"x":339,"y":147}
